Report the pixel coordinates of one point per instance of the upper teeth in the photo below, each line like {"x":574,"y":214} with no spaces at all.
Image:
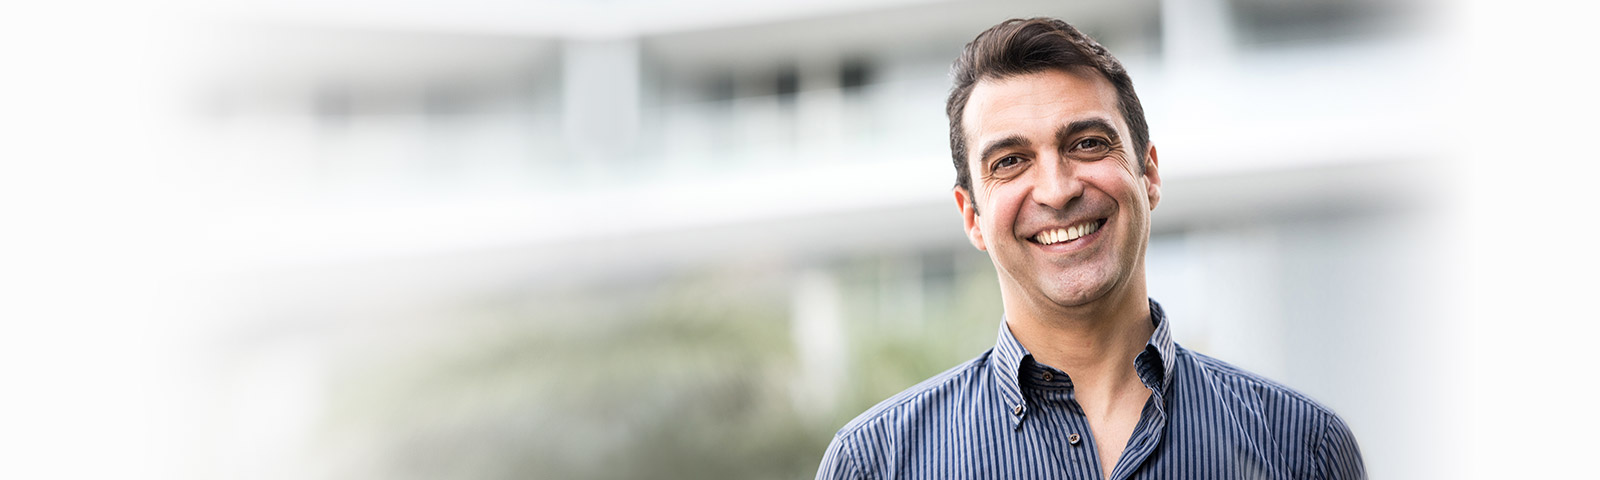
{"x":1066,"y":234}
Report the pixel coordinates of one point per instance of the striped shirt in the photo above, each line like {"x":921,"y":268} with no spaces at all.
{"x":1005,"y":416}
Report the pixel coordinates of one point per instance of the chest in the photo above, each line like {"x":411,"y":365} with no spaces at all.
{"x":1056,"y":440}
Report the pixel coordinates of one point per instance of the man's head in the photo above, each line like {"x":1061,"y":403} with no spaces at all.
{"x":1063,"y":173}
{"x":1020,"y":46}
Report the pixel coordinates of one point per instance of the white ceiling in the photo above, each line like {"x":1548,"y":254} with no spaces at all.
{"x":610,"y":18}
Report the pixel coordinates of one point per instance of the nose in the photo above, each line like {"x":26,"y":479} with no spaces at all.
{"x":1055,"y":183}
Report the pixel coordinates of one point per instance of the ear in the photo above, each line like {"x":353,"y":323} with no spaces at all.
{"x":969,"y":218}
{"x":1152,"y":177}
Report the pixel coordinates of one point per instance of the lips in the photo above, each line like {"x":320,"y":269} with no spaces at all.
{"x":1051,"y":236}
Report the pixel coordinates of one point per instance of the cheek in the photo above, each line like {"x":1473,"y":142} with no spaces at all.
{"x":1117,"y":182}
{"x":1129,"y":164}
{"x":1002,"y":208}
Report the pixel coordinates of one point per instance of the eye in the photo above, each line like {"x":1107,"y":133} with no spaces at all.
{"x":1091,"y":145}
{"x":1007,"y":162}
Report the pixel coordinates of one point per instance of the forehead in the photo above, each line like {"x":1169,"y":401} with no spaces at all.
{"x":1037,"y":103}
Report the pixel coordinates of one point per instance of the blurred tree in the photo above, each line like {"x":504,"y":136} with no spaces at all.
{"x":689,"y":378}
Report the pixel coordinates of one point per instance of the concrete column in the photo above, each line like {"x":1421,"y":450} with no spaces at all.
{"x":820,"y":111}
{"x":817,"y":326}
{"x":1195,"y":34}
{"x":600,"y":85}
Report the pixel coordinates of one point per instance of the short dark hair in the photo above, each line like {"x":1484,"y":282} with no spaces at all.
{"x":1023,"y":46}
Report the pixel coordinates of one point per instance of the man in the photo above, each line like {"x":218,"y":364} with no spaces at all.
{"x":1056,"y":179}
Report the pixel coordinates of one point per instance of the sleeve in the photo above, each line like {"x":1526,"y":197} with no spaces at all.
{"x":1338,"y":457}
{"x":836,"y":462}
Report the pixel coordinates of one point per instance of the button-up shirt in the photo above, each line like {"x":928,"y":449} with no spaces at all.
{"x":1005,"y":416}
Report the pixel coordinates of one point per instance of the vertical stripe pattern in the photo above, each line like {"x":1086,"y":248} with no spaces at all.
{"x":1004,"y":416}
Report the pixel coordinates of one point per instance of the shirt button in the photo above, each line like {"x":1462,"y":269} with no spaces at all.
{"x":1073,"y":439}
{"x":1049,"y":376}
{"x":1017,"y":410}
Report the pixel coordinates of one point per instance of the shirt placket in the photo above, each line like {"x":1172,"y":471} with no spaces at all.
{"x":1146,"y":436}
{"x":1063,"y":427}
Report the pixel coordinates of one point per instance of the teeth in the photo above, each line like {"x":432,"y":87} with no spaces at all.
{"x":1067,"y":234}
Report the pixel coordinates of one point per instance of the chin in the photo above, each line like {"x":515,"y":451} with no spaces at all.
{"x":1079,"y":297}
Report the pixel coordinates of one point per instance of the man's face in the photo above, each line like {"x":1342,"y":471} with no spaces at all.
{"x":1060,"y":204}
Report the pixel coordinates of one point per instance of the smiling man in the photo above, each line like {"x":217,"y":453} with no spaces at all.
{"x":1056,"y":178}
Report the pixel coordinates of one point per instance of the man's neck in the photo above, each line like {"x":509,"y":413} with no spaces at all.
{"x":1094,"y":346}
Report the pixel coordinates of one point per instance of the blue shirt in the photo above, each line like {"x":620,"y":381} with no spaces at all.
{"x":1005,"y":416}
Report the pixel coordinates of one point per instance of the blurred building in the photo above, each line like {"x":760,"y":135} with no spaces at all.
{"x":401,"y":182}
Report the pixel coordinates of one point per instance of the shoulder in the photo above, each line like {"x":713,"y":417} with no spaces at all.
{"x":897,"y":420}
{"x":1251,"y":387}
{"x":1310,"y":428}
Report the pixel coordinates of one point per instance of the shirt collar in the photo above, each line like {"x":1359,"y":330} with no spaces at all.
{"x":1154,"y":365}
{"x":1009,"y":355}
{"x":1161,"y":346}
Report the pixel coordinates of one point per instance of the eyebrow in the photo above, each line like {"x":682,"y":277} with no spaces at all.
{"x":1064,"y":134}
{"x":1013,"y":141}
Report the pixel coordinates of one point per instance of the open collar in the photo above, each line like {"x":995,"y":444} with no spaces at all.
{"x":1154,"y":365}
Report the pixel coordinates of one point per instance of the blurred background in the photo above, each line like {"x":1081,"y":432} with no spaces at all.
{"x":689,"y":239}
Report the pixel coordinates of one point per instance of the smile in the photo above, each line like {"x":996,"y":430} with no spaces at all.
{"x":1062,"y":235}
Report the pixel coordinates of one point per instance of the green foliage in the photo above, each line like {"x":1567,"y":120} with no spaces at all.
{"x":688,"y":378}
